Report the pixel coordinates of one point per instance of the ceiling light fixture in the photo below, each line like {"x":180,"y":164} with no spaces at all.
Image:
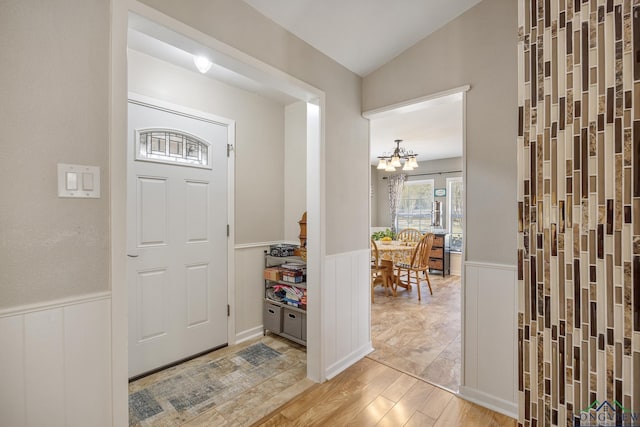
{"x":202,"y":64}
{"x":390,"y":161}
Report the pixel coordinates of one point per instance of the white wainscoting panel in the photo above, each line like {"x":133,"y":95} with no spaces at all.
{"x":346,"y":310}
{"x":12,"y":385}
{"x":87,"y":351}
{"x":490,"y":331}
{"x":44,"y":368}
{"x":55,"y":364}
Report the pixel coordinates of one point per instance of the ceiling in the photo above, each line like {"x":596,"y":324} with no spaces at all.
{"x":433,"y":129}
{"x":152,"y":39}
{"x":361,"y":35}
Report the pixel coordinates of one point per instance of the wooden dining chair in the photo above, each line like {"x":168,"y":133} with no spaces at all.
{"x":409,"y":235}
{"x":380,"y":273}
{"x":419,"y":265}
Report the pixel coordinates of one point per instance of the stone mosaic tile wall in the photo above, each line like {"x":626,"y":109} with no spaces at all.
{"x":579,"y":210}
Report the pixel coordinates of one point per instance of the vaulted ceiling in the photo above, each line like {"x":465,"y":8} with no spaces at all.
{"x":362,"y":35}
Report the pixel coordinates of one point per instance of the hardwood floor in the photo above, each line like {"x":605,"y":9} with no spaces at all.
{"x":421,"y":338}
{"x":372,"y":394}
{"x":414,"y":341}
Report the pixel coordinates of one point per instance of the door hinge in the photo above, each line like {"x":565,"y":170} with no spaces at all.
{"x":228,"y":230}
{"x":229,"y":149}
{"x":228,"y":310}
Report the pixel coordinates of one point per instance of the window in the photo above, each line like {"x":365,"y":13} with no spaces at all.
{"x":414,"y":210}
{"x":173,"y":147}
{"x":455,"y":204}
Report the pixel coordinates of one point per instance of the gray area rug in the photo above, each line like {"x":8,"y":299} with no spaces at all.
{"x":187,"y":391}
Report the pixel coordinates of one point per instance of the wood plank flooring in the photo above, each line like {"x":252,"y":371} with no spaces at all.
{"x":372,"y":394}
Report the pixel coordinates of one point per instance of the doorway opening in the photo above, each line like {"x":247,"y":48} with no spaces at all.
{"x":164,"y":74}
{"x":421,"y":337}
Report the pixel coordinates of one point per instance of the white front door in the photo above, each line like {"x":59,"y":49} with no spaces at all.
{"x":177,"y":236}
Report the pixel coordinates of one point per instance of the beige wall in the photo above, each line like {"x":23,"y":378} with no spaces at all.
{"x":259,"y":146}
{"x":54,"y":109}
{"x":346,"y":132}
{"x":55,"y":82}
{"x":478,"y":48}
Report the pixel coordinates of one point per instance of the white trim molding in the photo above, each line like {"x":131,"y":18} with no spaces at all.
{"x":249,"y":334}
{"x":502,"y":406}
{"x":50,"y":305}
{"x":342,"y":364}
{"x":414,"y":102}
{"x":264,"y":244}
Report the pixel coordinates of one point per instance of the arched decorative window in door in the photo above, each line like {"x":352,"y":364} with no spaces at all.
{"x":173,"y":147}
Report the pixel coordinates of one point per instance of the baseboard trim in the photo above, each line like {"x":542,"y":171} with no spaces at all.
{"x":255,"y":245}
{"x":497,"y":404}
{"x":264,"y":244}
{"x":53,"y":304}
{"x":349,"y":360}
{"x":249,"y":334}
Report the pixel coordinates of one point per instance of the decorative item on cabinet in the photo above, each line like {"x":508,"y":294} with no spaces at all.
{"x":302,"y":250}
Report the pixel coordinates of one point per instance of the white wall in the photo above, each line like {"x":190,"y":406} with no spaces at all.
{"x":295,"y":168}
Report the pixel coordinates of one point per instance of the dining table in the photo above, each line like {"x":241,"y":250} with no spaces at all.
{"x":392,"y":252}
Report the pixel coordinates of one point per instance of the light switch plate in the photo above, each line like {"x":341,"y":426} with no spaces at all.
{"x":87,"y":181}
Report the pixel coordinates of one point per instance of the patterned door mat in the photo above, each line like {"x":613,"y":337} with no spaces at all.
{"x":183,"y":392}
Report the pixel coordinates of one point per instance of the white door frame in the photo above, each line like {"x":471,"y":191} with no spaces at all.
{"x":253,"y":68}
{"x":383,"y":111}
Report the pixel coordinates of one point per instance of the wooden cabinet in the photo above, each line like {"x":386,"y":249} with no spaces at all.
{"x":440,"y":257}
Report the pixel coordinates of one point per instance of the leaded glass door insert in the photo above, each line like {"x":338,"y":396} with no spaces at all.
{"x":173,"y":147}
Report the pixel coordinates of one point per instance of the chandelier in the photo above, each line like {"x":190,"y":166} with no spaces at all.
{"x":390,"y":161}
